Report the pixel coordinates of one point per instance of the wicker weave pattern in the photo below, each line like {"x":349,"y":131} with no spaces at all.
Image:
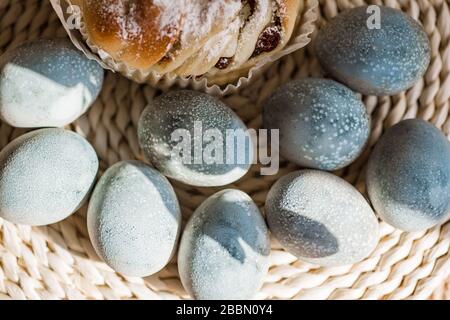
{"x":58,"y":262}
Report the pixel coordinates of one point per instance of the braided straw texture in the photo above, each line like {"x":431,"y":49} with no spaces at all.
{"x":58,"y":261}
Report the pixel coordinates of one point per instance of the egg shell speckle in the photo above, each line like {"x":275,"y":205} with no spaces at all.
{"x":45,"y":176}
{"x":47,"y":83}
{"x":408,"y":176}
{"x":224,"y":248}
{"x":178,"y":110}
{"x":134,"y":219}
{"x":321,"y":218}
{"x":323,"y":124}
{"x":372,"y":61}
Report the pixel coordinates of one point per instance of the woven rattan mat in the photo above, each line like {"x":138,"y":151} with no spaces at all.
{"x":58,"y":262}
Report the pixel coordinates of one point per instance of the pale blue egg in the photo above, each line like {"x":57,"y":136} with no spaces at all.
{"x":224,"y":249}
{"x":194,"y":138}
{"x":47,"y":83}
{"x":321,"y":218}
{"x":408,"y":176}
{"x":322,"y":124}
{"x":45,"y":176}
{"x":374,"y":61}
{"x":134,"y":219}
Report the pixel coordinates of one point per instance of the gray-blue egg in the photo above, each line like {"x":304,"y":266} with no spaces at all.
{"x":322,"y":124}
{"x":134,"y":219}
{"x":321,"y":218}
{"x":47,"y":83}
{"x":45,"y":176}
{"x":374,"y":50}
{"x":408,"y":176}
{"x":196,"y":139}
{"x":224,"y":249}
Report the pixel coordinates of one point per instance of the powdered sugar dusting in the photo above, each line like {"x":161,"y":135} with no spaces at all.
{"x":172,"y":12}
{"x":199,"y":17}
{"x":125,"y":16}
{"x":172,"y":31}
{"x":203,"y":15}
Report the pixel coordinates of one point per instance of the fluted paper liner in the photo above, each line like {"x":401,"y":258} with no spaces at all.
{"x":300,"y":38}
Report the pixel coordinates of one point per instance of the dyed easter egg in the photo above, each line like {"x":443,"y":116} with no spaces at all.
{"x":408,"y":176}
{"x":196,"y":139}
{"x":322,"y":124}
{"x":374,"y":50}
{"x":47,"y":83}
{"x":45,"y":176}
{"x":134,"y":219}
{"x":321,"y":219}
{"x":224,"y":249}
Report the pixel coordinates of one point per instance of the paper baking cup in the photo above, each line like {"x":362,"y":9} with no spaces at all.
{"x":73,"y":24}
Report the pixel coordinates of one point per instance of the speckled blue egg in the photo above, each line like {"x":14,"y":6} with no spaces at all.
{"x":322,"y":124}
{"x":224,"y":249}
{"x":45,"y":176}
{"x":186,"y":135}
{"x":321,"y":218}
{"x":408,"y":176}
{"x":47,"y":83}
{"x":373,"y":61}
{"x":134,"y":219}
